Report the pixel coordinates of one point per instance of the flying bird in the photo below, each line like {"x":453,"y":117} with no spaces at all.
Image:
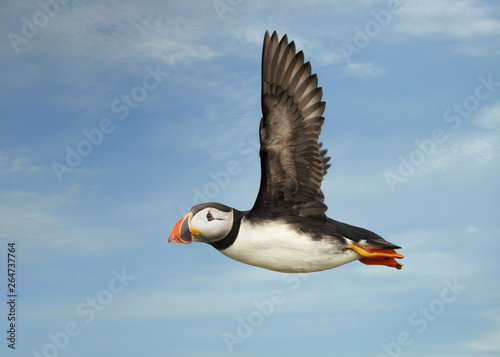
{"x":287,"y":229}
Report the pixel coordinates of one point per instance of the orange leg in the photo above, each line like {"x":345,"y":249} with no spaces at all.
{"x":378,"y":256}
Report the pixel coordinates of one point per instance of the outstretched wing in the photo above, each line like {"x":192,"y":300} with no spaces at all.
{"x":292,"y":162}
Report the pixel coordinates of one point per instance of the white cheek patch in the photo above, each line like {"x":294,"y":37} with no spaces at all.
{"x":198,"y":220}
{"x":215,"y":227}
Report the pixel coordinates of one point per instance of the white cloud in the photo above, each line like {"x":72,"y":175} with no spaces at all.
{"x":439,"y":264}
{"x":130,"y":31}
{"x":244,"y":285}
{"x":459,"y":152}
{"x":16,"y":165}
{"x":463,"y":19}
{"x":488,"y":118}
{"x":472,"y":229}
{"x":473,"y":149}
{"x":165,"y":304}
{"x":117,"y":31}
{"x":488,"y":342}
{"x":362,"y":70}
{"x":252,"y":34}
{"x":44,"y":219}
{"x":489,"y":47}
{"x":318,"y":52}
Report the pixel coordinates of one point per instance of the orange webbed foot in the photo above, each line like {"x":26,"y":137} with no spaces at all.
{"x":378,"y":256}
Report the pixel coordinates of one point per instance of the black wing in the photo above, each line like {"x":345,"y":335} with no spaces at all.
{"x":292,"y":162}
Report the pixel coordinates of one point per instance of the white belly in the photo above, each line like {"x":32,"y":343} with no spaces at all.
{"x":277,"y":246}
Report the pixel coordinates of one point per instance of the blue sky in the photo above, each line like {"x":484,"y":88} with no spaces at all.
{"x":117,"y":116}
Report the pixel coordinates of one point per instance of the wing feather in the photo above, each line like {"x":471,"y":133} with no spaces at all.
{"x":292,"y":161}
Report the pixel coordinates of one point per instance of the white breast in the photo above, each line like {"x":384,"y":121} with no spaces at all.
{"x":276,"y":245}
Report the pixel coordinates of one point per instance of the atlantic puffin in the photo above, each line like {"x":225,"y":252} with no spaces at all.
{"x":287,"y":229}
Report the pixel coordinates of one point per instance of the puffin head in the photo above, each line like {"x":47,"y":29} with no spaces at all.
{"x":207,"y":223}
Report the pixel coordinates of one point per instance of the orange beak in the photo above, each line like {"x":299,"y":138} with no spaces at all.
{"x":180,"y":233}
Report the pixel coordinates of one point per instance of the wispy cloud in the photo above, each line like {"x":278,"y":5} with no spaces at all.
{"x":471,"y":148}
{"x":463,"y":19}
{"x":488,"y":118}
{"x":320,"y":53}
{"x":362,"y":70}
{"x":119,"y":31}
{"x":41,"y":219}
{"x":489,"y":46}
{"x":463,"y":151}
{"x":489,"y":342}
{"x":16,"y":165}
{"x":130,"y":32}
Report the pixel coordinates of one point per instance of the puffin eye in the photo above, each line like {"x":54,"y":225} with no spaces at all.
{"x":210,"y":217}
